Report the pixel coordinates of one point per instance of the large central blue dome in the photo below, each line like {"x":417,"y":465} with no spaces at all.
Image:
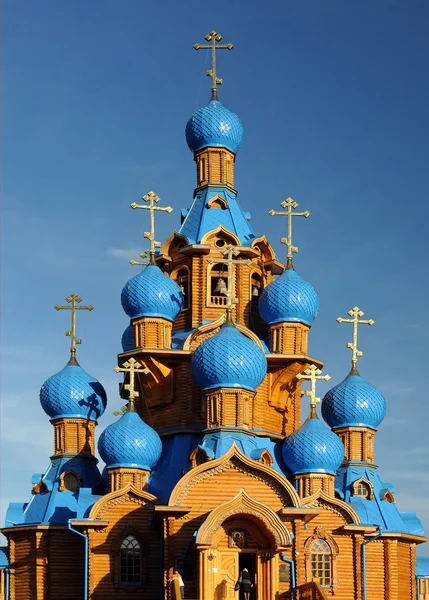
{"x":214,"y":125}
{"x":229,"y":359}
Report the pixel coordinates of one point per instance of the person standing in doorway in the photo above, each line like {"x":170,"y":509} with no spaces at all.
{"x":245,"y":582}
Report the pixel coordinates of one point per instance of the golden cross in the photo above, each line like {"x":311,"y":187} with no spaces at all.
{"x":146,"y":259}
{"x":229,"y":252}
{"x":290,"y":204}
{"x":355,"y":313}
{"x":214,"y":37}
{"x":152,"y":198}
{"x":74,"y":300}
{"x":312,"y":373}
{"x":131,"y":366}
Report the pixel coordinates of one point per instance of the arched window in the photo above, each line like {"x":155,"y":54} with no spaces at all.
{"x":218,"y":284}
{"x":255,"y":291}
{"x":130,"y":561}
{"x":321,"y":564}
{"x":69,"y":482}
{"x":182,"y":279}
{"x":363,"y":489}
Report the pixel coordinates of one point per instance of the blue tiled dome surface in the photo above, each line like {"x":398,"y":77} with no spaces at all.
{"x":72,"y":392}
{"x":214,"y":125}
{"x":313,"y":448}
{"x":289,"y":298}
{"x":127,"y":340}
{"x":130,"y":442}
{"x":354,"y":402}
{"x":152,"y":294}
{"x":229,"y":359}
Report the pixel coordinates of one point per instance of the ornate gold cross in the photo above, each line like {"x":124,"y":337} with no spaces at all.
{"x":213,"y":37}
{"x":152,"y":198}
{"x":131,"y":366}
{"x":290,"y":204}
{"x":355,"y":313}
{"x":146,"y":259}
{"x":312,"y":374}
{"x":229,"y":252}
{"x":74,"y":300}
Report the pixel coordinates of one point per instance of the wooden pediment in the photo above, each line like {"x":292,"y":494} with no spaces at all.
{"x":320,"y":498}
{"x":128,"y":493}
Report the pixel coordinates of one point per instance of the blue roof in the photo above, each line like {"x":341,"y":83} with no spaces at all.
{"x":215,"y":126}
{"x":4,"y":557}
{"x":422,"y":566}
{"x":201,"y":218}
{"x":354,"y":402}
{"x":150,"y":293}
{"x":55,"y":506}
{"x":130,"y":442}
{"x":73,"y":393}
{"x":289,"y":298}
{"x":127,"y":340}
{"x":375,"y":511}
{"x":313,"y":448}
{"x":229,"y":359}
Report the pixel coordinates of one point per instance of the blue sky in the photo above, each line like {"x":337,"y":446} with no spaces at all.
{"x":333,"y":97}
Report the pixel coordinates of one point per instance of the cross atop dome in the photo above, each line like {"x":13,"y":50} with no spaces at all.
{"x":312,"y":374}
{"x":290,"y":204}
{"x":355,"y":313}
{"x":73,"y":300}
{"x":151,"y":198}
{"x":214,"y":37}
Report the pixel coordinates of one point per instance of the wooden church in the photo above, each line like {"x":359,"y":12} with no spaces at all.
{"x":209,"y":469}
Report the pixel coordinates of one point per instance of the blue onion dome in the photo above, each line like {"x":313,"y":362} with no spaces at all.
{"x":313,"y":448}
{"x":229,"y":359}
{"x":130,"y":442}
{"x":73,"y":393}
{"x":354,"y":402}
{"x":152,"y":294}
{"x":127,"y":340}
{"x":214,"y":125}
{"x":289,"y":298}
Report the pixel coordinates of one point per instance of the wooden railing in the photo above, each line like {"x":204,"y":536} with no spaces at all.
{"x":307,"y":591}
{"x":218,"y":300}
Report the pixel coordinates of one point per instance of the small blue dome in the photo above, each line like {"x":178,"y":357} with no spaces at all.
{"x":313,"y":448}
{"x":127,"y":340}
{"x":152,"y":294}
{"x":73,"y":393}
{"x":130,"y":442}
{"x":229,"y":359}
{"x":289,"y":298}
{"x":354,"y":402}
{"x":214,"y":125}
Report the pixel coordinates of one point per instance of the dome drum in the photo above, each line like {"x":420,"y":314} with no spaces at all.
{"x":289,"y":338}
{"x":152,"y":332}
{"x":120,"y":477}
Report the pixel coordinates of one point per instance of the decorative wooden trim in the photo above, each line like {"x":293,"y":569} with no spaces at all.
{"x":217,"y":200}
{"x":241,"y":504}
{"x":267,"y":251}
{"x":232,"y":238}
{"x":369,"y":486}
{"x":191,"y":478}
{"x":174,"y":237}
{"x":62,"y":487}
{"x":128,"y":493}
{"x":320,"y":533}
{"x":322,"y":497}
{"x":191,"y":341}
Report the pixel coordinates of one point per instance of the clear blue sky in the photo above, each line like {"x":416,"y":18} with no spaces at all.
{"x":334,"y":100}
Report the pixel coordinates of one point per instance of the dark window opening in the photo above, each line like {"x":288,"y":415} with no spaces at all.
{"x":130,"y":561}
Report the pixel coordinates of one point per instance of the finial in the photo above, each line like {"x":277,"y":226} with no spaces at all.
{"x":290,"y":204}
{"x":355,"y":313}
{"x":312,"y":374}
{"x":131,"y":366}
{"x":74,"y":300}
{"x":214,"y":37}
{"x":151,"y":197}
{"x":229,"y":252}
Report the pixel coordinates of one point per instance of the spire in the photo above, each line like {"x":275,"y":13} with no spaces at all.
{"x":74,"y":300}
{"x":355,"y":313}
{"x":312,"y":374}
{"x":151,"y":198}
{"x":229,"y":252}
{"x":214,"y":37}
{"x":290,"y":204}
{"x":131,"y":366}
